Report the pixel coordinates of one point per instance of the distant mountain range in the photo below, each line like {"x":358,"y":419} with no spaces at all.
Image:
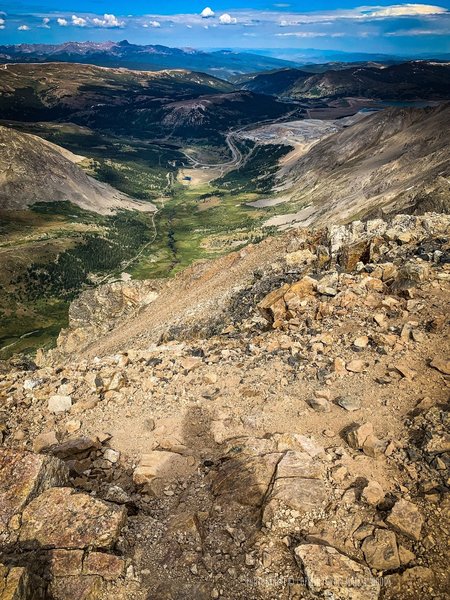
{"x":221,"y":63}
{"x":406,"y":81}
{"x":152,"y":105}
{"x":306,"y":56}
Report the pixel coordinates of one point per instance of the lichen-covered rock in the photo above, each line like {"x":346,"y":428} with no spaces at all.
{"x":63,"y":518}
{"x":81,"y":587}
{"x":106,"y":566}
{"x":23,"y":476}
{"x":18,"y":583}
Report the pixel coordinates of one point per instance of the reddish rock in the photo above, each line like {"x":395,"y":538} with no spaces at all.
{"x":106,"y":566}
{"x":24,"y":475}
{"x":66,"y":562}
{"x":63,"y":518}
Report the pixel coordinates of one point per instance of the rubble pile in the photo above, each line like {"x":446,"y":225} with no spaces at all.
{"x":300,"y":450}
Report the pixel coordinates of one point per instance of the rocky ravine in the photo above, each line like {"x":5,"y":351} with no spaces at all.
{"x":298,"y":449}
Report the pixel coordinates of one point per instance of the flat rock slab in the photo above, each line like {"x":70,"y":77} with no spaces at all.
{"x":77,"y":588}
{"x":298,"y":485}
{"x":23,"y":476}
{"x":246,"y":479}
{"x":331,"y":574}
{"x":63,"y":518}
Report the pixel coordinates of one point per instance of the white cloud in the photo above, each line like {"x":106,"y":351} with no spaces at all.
{"x":62,"y":22}
{"x":227,"y":19}
{"x":154,"y":24}
{"x":414,"y":32}
{"x":310,"y":34}
{"x":403,"y":10}
{"x":45,"y":23}
{"x":108,"y":21}
{"x":78,"y":21}
{"x":207,"y":13}
{"x":23,"y":28}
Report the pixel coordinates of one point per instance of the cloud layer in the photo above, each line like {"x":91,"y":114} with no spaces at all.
{"x":266,"y":28}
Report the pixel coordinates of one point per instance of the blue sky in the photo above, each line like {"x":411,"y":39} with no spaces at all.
{"x":387,"y":27}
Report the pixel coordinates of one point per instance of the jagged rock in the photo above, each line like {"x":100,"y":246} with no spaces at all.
{"x":300,"y":257}
{"x":349,"y":404}
{"x":373,"y":493}
{"x":111,"y":455}
{"x":361,"y":437}
{"x":59,"y":404}
{"x":74,"y":447}
{"x":381,"y":551}
{"x":332,"y":574}
{"x":441,"y":365}
{"x":355,"y":366}
{"x":320,"y":404}
{"x":63,"y":518}
{"x":17,"y":583}
{"x":23,"y":476}
{"x":405,"y":517}
{"x":281,"y":304}
{"x":44,"y":441}
{"x":437,"y":443}
{"x":361,"y":342}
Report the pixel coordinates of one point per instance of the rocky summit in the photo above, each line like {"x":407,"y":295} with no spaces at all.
{"x":269,"y":424}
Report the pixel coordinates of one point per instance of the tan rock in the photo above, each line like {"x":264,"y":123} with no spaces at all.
{"x":330,"y":573}
{"x":355,"y":366}
{"x":16,"y":583}
{"x":63,"y":518}
{"x":107,"y":566}
{"x":59,"y":403}
{"x":339,"y":366}
{"x":273,"y":306}
{"x":245,"y":478}
{"x":23,"y":476}
{"x":407,"y":585}
{"x":405,"y":518}
{"x":381,"y":551}
{"x":441,"y":365}
{"x":44,"y":441}
{"x":373,"y":493}
{"x":361,"y":342}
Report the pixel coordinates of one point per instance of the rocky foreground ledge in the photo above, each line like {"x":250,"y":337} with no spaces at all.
{"x":295,"y":445}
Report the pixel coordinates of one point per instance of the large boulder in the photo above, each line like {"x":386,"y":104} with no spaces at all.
{"x":23,"y":476}
{"x":331,"y":574}
{"x":63,"y":518}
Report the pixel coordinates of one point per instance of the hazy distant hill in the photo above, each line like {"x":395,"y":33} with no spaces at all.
{"x":222,"y":63}
{"x":405,"y":81}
